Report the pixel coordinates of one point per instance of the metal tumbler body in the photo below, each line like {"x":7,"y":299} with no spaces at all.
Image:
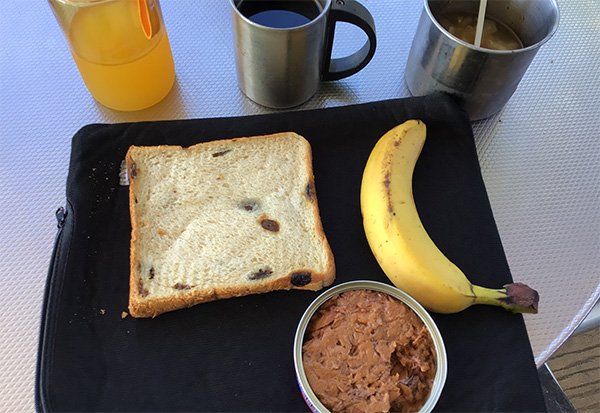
{"x":483,"y":80}
{"x":279,"y":68}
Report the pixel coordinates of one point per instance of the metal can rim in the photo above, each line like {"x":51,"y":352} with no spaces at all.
{"x":441,"y":357}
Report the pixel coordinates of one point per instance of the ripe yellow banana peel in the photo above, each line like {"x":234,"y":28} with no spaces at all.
{"x":400,"y":243}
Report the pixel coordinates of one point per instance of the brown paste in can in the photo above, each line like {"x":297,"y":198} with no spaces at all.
{"x":366,"y":351}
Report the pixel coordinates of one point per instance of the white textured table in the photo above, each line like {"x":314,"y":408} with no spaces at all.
{"x":540,"y":157}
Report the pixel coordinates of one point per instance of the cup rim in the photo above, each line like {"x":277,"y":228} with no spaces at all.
{"x":323,"y":12}
{"x":471,"y":46}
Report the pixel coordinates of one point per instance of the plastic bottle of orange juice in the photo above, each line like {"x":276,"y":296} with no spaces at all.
{"x":121,"y":48}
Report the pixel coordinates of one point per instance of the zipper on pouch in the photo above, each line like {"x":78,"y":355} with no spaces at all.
{"x":40,"y":397}
{"x":61,"y":217}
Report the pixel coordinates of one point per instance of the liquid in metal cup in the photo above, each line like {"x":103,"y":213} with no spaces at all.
{"x":309,"y":395}
{"x":482,"y":80}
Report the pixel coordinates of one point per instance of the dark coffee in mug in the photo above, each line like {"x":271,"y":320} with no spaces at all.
{"x":280,"y":14}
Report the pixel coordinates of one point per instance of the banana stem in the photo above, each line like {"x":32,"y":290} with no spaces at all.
{"x":517,"y":297}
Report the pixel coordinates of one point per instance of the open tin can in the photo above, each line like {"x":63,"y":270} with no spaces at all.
{"x":308,"y":394}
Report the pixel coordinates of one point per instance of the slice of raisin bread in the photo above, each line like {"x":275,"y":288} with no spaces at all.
{"x":223,"y":219}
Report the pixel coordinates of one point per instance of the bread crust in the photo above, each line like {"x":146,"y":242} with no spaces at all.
{"x":148,"y":306}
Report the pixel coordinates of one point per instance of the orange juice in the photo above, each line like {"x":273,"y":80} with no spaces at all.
{"x":121,"y":67}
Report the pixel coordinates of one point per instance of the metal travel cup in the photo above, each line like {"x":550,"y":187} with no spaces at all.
{"x":482,"y":80}
{"x":282,"y":67}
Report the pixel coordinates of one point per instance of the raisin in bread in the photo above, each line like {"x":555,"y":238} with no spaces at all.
{"x":223,"y":219}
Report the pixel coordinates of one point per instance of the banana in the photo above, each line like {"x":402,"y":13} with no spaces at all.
{"x":400,"y":243}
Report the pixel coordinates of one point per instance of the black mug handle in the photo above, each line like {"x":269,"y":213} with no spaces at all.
{"x":349,"y":11}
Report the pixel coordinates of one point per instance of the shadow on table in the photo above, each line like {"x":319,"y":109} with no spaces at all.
{"x":329,"y":94}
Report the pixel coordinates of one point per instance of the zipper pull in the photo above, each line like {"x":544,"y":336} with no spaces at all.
{"x":61,"y":217}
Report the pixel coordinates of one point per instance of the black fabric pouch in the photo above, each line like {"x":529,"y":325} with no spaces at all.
{"x":236,"y":354}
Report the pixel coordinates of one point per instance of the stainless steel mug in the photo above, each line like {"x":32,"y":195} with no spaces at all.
{"x":282,"y":67}
{"x":482,"y":80}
